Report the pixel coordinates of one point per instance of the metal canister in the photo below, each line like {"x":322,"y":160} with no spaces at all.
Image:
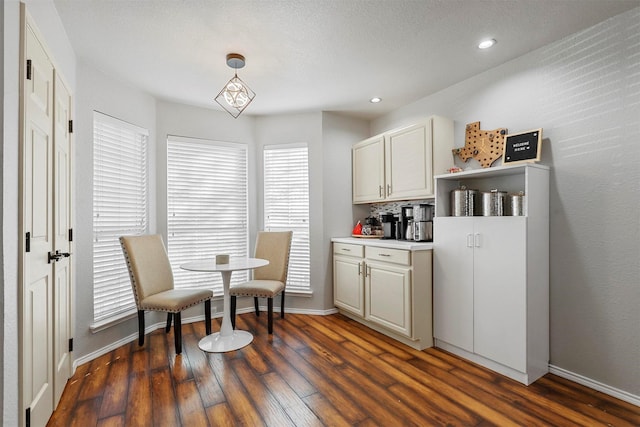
{"x":517,"y":203}
{"x":472,"y":197}
{"x":458,"y":201}
{"x":493,"y":203}
{"x":463,"y":201}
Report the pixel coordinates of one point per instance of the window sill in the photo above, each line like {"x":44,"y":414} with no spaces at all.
{"x":298,"y":293}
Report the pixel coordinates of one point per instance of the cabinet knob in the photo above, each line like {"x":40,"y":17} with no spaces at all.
{"x":388,"y":189}
{"x":469,"y":240}
{"x":380,"y":190}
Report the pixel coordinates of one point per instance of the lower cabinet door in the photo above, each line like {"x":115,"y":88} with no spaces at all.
{"x":500,"y":290}
{"x":388,"y":296}
{"x":453,"y":281}
{"x":348,"y":283}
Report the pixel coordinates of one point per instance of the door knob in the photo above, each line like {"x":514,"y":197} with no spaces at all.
{"x":57,"y":256}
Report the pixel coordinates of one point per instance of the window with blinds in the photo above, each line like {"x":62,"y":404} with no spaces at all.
{"x":120,"y":189}
{"x":286,"y":206}
{"x":207,"y":207}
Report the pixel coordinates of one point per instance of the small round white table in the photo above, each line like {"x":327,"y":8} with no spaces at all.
{"x":227,"y":339}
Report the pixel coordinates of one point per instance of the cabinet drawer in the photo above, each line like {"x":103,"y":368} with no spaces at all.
{"x":396,"y":256}
{"x":348,"y":249}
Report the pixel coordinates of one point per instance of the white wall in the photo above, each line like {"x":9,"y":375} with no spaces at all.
{"x":99,"y":92}
{"x":50,"y":27}
{"x":338,"y":135}
{"x":584,"y":91}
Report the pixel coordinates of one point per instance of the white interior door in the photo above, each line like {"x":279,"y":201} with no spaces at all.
{"x":37,"y":225}
{"x":62,"y":293}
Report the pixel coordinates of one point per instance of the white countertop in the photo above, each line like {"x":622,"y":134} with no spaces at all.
{"x":386,"y":243}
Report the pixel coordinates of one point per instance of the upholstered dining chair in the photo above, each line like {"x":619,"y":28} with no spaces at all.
{"x":270,"y":280}
{"x":153,"y":289}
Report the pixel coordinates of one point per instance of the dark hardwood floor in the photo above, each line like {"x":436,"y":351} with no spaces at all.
{"x":313,"y":371}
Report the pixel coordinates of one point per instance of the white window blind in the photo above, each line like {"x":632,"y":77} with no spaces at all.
{"x":207,"y":193}
{"x":120,"y":189}
{"x":286,"y":206}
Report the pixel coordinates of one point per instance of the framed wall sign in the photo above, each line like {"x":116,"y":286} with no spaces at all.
{"x":522,"y":147}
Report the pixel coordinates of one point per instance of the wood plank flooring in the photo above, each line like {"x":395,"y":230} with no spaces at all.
{"x":315,"y":371}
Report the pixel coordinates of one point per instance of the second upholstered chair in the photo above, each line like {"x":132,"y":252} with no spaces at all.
{"x":270,"y":280}
{"x":152,"y":283}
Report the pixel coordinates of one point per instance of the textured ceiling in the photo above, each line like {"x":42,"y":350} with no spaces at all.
{"x":311,"y":55}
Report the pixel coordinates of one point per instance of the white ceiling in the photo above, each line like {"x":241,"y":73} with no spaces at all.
{"x":312,"y":55}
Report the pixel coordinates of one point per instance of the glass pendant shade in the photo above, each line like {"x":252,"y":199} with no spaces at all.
{"x":235,"y":96}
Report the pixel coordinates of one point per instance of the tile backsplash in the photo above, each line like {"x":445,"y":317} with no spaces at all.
{"x":394,"y":207}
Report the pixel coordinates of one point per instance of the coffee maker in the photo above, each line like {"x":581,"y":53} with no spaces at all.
{"x":388,"y":225}
{"x":406,"y":223}
{"x":423,"y":222}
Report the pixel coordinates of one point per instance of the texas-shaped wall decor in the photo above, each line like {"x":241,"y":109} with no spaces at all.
{"x":483,"y":145}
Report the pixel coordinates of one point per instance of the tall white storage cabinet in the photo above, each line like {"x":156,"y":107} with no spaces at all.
{"x":491,"y":274}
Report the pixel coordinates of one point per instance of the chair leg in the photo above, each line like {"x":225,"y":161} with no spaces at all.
{"x":233,"y":312}
{"x":177,"y":331}
{"x":140,"y":327}
{"x":270,"y":314}
{"x":255,"y":303}
{"x":282,"y":306}
{"x":168,"y":328}
{"x":207,"y":316}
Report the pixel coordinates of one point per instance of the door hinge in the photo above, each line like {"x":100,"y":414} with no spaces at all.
{"x":71,"y":234}
{"x":27,"y":419}
{"x":28,"y":69}
{"x":70,"y":126}
{"x":70,"y":344}
{"x":27,"y":244}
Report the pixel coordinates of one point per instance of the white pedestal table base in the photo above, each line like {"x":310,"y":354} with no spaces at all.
{"x":216,"y":343}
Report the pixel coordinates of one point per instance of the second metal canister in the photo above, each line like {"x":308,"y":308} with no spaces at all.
{"x":493,"y":203}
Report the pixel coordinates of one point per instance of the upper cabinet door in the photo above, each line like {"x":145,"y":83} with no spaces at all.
{"x":368,"y":170}
{"x":409,"y":172}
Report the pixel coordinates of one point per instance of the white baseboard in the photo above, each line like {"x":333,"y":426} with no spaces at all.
{"x":104,"y":350}
{"x":596,"y":385}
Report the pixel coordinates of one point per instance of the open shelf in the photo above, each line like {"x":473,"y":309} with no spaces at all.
{"x":512,"y":179}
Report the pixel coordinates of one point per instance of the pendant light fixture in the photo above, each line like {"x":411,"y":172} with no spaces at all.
{"x":235,"y":96}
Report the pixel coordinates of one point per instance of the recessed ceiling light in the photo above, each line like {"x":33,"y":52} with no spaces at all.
{"x":375,"y":100}
{"x":486,"y":44}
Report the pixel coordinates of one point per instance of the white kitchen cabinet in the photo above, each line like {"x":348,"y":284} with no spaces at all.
{"x":388,"y":290}
{"x":368,"y":170}
{"x":348,"y":277}
{"x":400,"y":164}
{"x":409,"y":162}
{"x":453,"y":283}
{"x":482,"y":307}
{"x":491,"y":275}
